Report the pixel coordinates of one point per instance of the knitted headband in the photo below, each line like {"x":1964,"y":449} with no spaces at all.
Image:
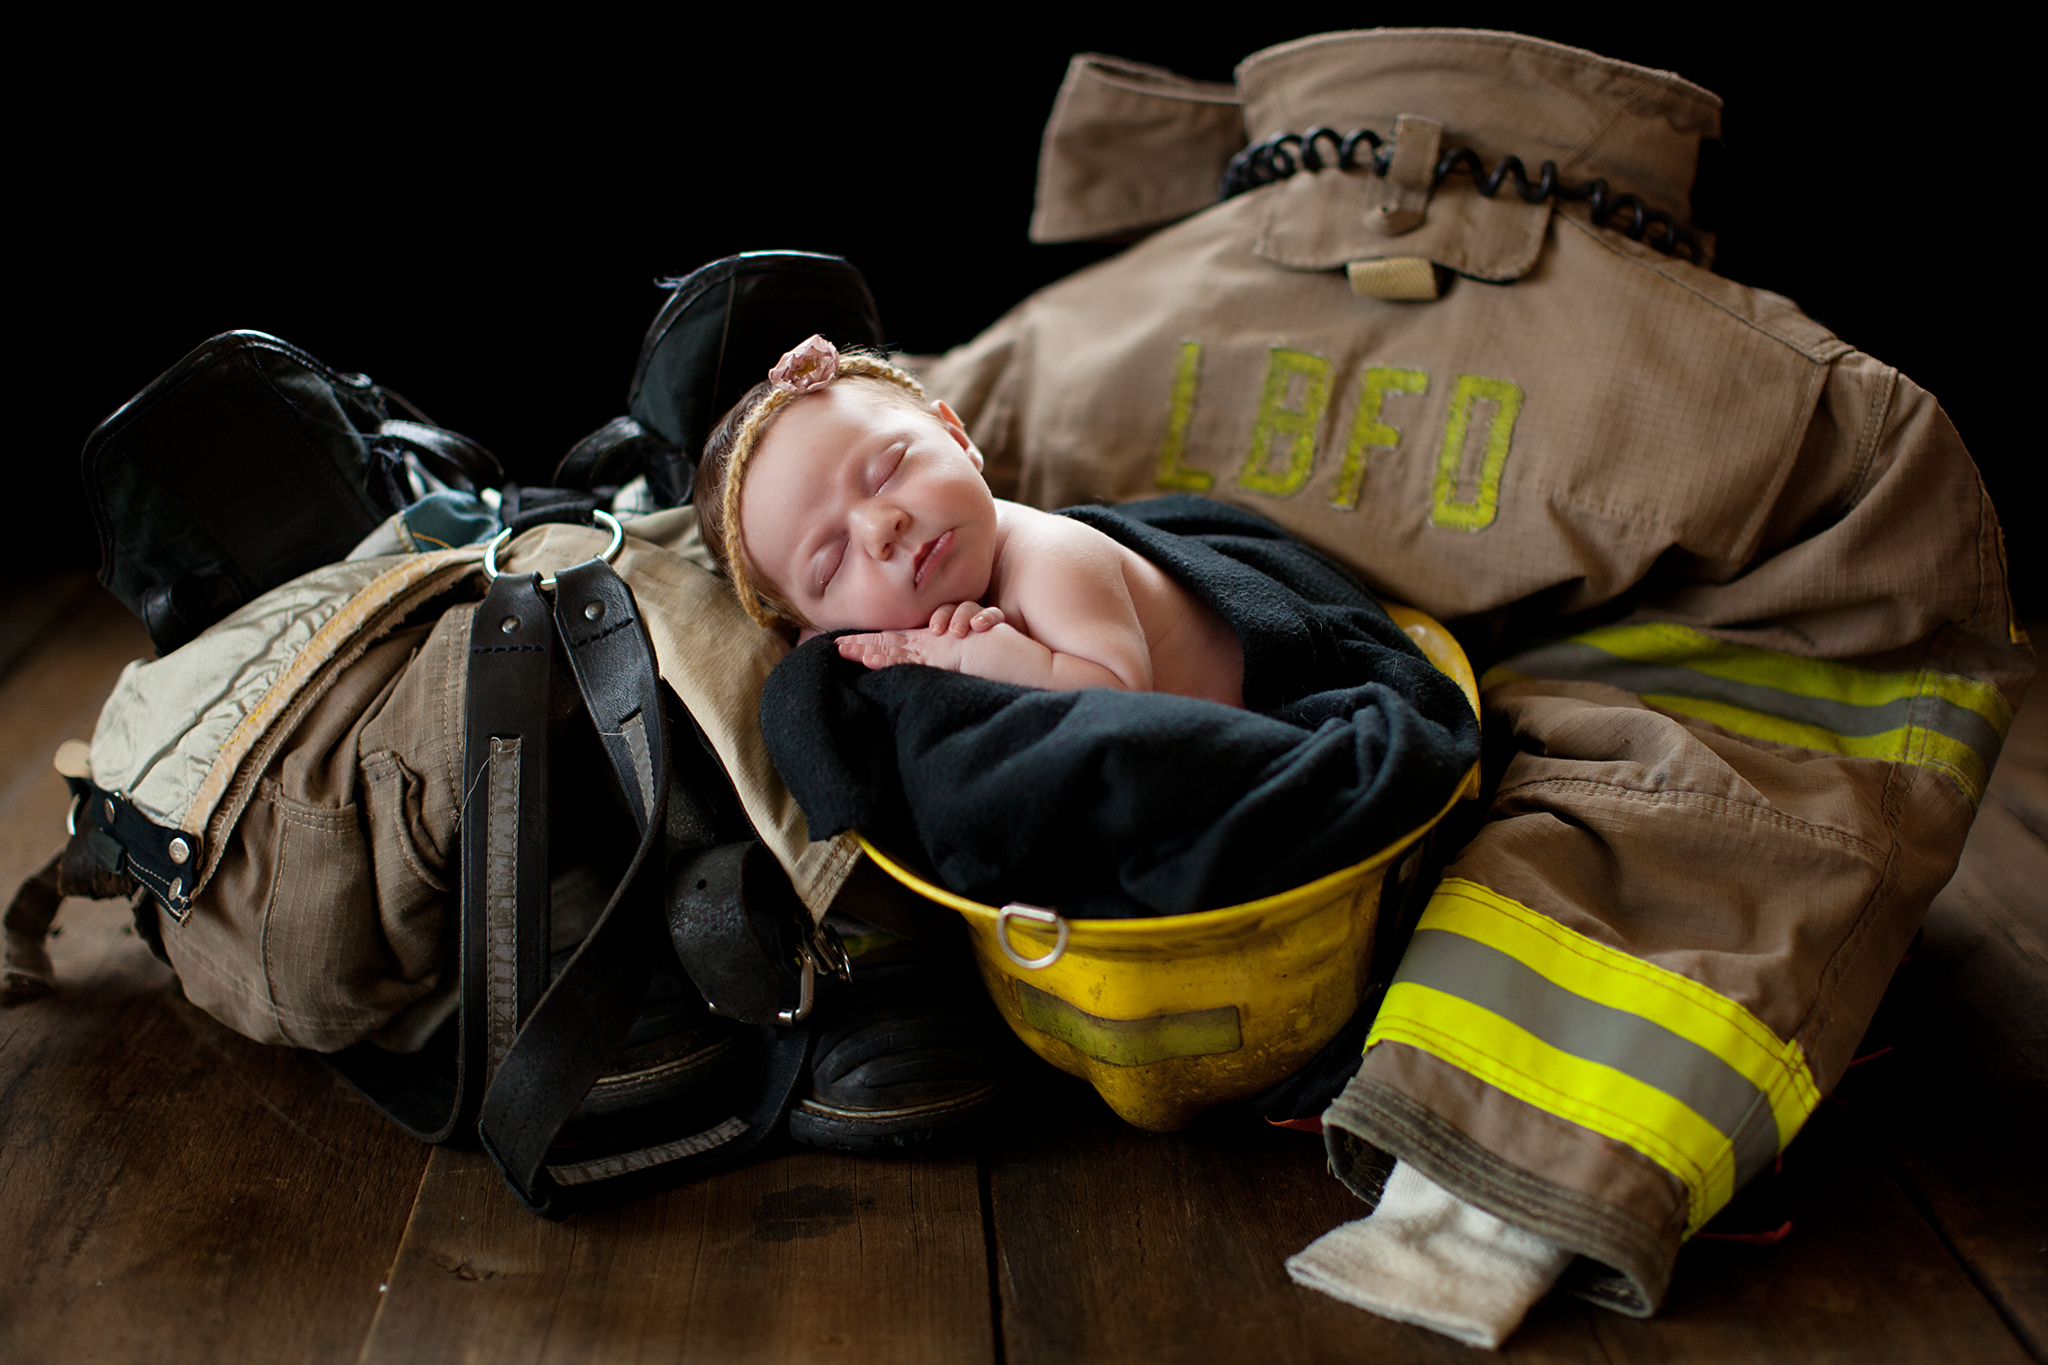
{"x":810,"y":366}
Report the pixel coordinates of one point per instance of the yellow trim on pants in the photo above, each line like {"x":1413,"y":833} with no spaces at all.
{"x":1922,"y":717}
{"x":1463,"y":1032}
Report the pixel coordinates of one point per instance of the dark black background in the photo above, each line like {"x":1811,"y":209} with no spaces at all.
{"x":477,"y":218}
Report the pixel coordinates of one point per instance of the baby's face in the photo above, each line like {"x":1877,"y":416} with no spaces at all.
{"x":866,"y":513}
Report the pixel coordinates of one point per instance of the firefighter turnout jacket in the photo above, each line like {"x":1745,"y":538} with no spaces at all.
{"x":1740,"y":589}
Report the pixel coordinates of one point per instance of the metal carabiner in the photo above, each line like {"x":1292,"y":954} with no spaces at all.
{"x":547,"y":581}
{"x":821,"y":951}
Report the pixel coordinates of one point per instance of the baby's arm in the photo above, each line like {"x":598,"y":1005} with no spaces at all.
{"x":938,"y":646}
{"x":1081,"y":628}
{"x":990,"y":648}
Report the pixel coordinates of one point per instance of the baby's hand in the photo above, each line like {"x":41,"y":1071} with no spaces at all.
{"x":886,"y":648}
{"x":963,"y":617}
{"x":955,"y":631}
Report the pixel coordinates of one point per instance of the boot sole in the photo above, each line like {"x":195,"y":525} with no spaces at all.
{"x":870,"y":1130}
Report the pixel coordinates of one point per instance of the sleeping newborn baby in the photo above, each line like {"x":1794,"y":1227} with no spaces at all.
{"x":1147,"y":709}
{"x":844,"y":500}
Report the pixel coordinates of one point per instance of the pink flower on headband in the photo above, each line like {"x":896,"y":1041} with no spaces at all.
{"x":812,"y":365}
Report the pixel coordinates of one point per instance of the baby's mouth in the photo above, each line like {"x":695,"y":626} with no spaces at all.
{"x":929,"y":556}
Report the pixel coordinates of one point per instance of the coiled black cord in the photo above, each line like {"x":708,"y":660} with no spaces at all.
{"x":1282,"y":154}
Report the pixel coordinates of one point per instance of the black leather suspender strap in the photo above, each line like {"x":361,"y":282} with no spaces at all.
{"x":502,"y":954}
{"x":527,"y":1052}
{"x":505,"y":809}
{"x":579,"y":1023}
{"x":504,"y":824}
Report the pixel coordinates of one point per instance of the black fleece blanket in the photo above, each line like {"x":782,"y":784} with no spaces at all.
{"x":1103,"y":803}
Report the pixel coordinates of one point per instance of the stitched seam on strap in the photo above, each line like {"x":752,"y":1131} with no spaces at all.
{"x":501,"y":899}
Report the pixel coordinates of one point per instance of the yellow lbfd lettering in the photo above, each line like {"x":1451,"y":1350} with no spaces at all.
{"x":1446,"y":508}
{"x":1293,"y":428}
{"x":1171,"y":473}
{"x":1368,"y":432}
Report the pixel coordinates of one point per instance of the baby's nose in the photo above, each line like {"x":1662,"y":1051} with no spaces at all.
{"x":880,"y":525}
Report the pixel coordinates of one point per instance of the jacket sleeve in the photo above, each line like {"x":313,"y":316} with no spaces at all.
{"x":1719,"y":823}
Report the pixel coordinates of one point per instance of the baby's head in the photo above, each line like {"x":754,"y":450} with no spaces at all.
{"x":834,"y":496}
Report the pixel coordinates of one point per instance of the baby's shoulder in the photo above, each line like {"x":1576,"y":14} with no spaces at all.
{"x":1046,"y":557}
{"x":1035,"y":533}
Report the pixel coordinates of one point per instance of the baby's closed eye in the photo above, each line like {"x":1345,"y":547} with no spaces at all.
{"x":829,"y":560}
{"x":885,"y":468}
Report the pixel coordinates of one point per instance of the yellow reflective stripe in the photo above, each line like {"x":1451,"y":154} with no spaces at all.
{"x":1931,"y":719}
{"x":1611,"y":977}
{"x":1620,"y":1081}
{"x":1967,"y":767}
{"x":1608,"y":1102}
{"x":1908,"y":744}
{"x":1665,"y":642}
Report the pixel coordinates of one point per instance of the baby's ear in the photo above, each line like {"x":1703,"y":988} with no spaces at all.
{"x":957,"y":429}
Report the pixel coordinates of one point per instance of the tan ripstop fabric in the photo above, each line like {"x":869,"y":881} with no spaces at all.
{"x":186,"y":736}
{"x":1496,"y":93}
{"x":1579,"y":433}
{"x":1129,"y":147}
{"x":327,"y":915}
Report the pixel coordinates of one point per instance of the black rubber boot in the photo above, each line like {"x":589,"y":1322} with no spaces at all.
{"x":911,"y":1053}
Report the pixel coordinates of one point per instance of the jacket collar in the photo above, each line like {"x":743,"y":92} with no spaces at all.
{"x":1497,"y":93}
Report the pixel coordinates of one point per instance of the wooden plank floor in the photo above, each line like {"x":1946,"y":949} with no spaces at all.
{"x":172,"y":1192}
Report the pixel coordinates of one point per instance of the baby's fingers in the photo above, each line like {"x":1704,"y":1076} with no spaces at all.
{"x":988,"y":618}
{"x":878,"y":650}
{"x":960,"y":620}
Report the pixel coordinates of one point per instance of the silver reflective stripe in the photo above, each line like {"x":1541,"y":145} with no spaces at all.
{"x":634,"y":729}
{"x":1585,"y":663}
{"x":501,"y":901}
{"x":1484,"y":976}
{"x":604,"y":1168}
{"x":1132,"y":1042}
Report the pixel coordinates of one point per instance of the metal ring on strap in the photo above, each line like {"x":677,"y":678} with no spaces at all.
{"x":1039,"y":915}
{"x":547,"y":581}
{"x":820,"y":952}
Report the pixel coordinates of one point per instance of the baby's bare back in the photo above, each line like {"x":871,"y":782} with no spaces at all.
{"x":1194,"y":651}
{"x":1072,"y":588}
